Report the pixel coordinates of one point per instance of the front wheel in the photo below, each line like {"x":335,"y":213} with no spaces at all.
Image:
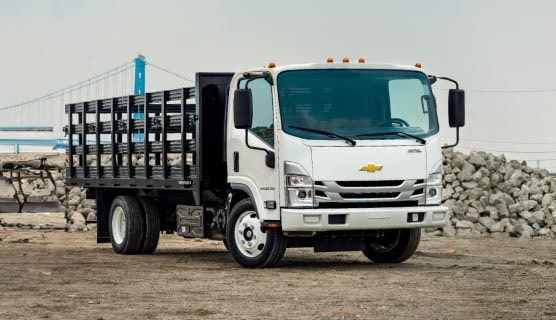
{"x":248,"y":243}
{"x":394,"y":247}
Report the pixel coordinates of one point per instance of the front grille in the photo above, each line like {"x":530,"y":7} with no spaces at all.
{"x":365,"y":192}
{"x":319,"y":193}
{"x":417,"y":192}
{"x":370,"y":184}
{"x":374,"y":195}
{"x":383,"y":204}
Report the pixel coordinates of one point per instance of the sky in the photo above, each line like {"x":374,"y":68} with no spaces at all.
{"x":502,"y":52}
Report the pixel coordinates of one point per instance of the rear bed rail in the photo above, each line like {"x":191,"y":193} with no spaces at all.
{"x":104,"y":151}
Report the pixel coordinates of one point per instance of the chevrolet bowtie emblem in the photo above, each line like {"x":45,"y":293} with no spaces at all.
{"x":371,"y":167}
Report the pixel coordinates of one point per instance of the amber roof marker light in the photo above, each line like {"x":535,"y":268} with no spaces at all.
{"x":361,"y":60}
{"x":329,"y":60}
{"x":272,"y":64}
{"x":345,"y":60}
{"x":418,"y":65}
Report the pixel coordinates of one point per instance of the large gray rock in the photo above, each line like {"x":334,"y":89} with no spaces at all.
{"x":487,"y":222}
{"x":469,"y":185}
{"x":74,"y":201}
{"x":460,"y":209}
{"x":529,"y":204}
{"x":89,"y":203}
{"x":522,"y":231}
{"x":77,"y":218}
{"x":536,"y":217}
{"x":477,"y":161}
{"x":525,"y":215}
{"x":516,"y":208}
{"x":449,"y":178}
{"x":464,"y":224}
{"x":479,"y":227}
{"x":449,"y":231}
{"x":548,"y":199}
{"x":497,"y":227}
{"x":492,"y":212}
{"x":466,"y":173}
{"x":471,"y":215}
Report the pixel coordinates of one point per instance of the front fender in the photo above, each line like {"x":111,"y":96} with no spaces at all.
{"x":248,"y":186}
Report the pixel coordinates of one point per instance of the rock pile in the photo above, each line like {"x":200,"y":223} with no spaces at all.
{"x":487,"y":194}
{"x":80,"y":211}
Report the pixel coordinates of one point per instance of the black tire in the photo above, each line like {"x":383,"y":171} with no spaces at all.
{"x":225,"y":243}
{"x":126,"y":241}
{"x":151,"y":235}
{"x":397,"y":246}
{"x":272,"y":249}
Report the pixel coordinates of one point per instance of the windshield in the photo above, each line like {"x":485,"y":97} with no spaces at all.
{"x":356,"y":103}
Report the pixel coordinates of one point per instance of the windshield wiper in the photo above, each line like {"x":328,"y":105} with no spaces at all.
{"x":326,"y":133}
{"x":399,"y":133}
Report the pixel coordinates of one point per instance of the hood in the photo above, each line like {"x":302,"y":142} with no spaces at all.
{"x":369,"y":163}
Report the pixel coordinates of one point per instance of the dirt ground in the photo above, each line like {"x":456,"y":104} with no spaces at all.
{"x":58,"y":275}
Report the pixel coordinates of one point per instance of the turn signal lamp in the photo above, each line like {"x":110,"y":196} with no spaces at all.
{"x":329,"y":60}
{"x":345,"y":60}
{"x":361,"y":60}
{"x":417,"y":65}
{"x":272,"y":64}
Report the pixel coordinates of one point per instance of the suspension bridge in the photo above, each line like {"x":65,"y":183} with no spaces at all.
{"x":37,"y":124}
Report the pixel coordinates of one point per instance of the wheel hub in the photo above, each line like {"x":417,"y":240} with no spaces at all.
{"x":118,"y":225}
{"x":249,"y":237}
{"x":248,"y":234}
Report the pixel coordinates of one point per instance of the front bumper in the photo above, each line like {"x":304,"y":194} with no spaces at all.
{"x":363,"y":218}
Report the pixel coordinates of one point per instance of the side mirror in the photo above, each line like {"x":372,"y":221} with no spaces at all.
{"x":243,"y":108}
{"x":456,"y":108}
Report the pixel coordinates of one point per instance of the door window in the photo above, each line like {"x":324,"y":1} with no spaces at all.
{"x":263,"y":118}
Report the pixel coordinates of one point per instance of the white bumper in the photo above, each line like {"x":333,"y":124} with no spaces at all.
{"x":363,"y":218}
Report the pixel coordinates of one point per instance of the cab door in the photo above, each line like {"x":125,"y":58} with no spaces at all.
{"x":247,"y":167}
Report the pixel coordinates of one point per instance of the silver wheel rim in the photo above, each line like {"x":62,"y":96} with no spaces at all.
{"x":248,"y":236}
{"x":118,"y":225}
{"x":380,"y":246}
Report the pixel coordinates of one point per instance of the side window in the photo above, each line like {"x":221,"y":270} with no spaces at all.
{"x":263,"y":117}
{"x":411,"y":102}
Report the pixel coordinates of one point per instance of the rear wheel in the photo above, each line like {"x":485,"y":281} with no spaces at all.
{"x":248,"y":243}
{"x":152,"y":226}
{"x":395,"y":246}
{"x":126,"y":225}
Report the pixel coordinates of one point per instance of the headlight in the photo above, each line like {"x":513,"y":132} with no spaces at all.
{"x":299,"y":186}
{"x":434,"y":179}
{"x":299,"y":191}
{"x":296,"y":181}
{"x":433,"y":191}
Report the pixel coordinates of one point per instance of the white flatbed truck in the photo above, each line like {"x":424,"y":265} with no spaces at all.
{"x":334,"y":156}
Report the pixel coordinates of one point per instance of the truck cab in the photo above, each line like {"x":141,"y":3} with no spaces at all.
{"x":356,"y":156}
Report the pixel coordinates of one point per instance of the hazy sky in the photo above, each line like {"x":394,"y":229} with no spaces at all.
{"x":486,"y":45}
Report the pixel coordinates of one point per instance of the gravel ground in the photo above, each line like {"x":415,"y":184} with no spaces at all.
{"x":59,"y":275}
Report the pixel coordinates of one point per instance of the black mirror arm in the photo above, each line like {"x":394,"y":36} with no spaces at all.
{"x":269,"y":154}
{"x":447,"y":79}
{"x":253,"y":76}
{"x":433,"y":79}
{"x":455,"y":144}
